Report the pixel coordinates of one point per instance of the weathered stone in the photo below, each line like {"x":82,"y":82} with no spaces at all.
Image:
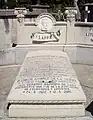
{"x":46,"y":78}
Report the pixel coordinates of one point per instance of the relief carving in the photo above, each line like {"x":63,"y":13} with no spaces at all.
{"x":20,"y":12}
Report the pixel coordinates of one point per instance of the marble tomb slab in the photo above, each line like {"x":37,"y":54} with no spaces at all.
{"x":46,"y":86}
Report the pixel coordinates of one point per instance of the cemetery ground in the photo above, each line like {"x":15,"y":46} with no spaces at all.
{"x":8,"y":74}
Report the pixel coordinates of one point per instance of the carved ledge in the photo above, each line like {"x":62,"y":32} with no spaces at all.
{"x":45,"y":101}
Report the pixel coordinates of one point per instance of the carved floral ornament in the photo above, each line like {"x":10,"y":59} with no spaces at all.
{"x":20,"y":12}
{"x":71,"y":14}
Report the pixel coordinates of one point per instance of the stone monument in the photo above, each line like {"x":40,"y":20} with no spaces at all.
{"x":45,"y":22}
{"x":42,"y":30}
{"x":46,"y":86}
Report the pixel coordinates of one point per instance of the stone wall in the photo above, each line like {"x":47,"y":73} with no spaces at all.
{"x":76,"y":39}
{"x":80,"y":47}
{"x":5,"y":33}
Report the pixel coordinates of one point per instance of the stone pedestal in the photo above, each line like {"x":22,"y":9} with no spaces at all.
{"x":46,"y":86}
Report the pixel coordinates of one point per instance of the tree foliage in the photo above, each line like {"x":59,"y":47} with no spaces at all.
{"x":11,"y":4}
{"x":52,"y":3}
{"x":55,"y":4}
{"x":2,"y":4}
{"x":82,"y":2}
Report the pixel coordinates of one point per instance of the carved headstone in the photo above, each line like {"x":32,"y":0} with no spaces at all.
{"x":45,"y":22}
{"x":46,"y":86}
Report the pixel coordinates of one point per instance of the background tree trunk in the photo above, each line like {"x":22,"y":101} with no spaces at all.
{"x":78,"y":11}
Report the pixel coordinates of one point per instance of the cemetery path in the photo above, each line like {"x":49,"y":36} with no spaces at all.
{"x":8,"y":74}
{"x":85,"y":76}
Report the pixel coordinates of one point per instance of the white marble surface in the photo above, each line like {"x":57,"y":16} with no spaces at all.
{"x":25,"y":33}
{"x":8,"y":74}
{"x":46,"y":111}
{"x":46,"y":76}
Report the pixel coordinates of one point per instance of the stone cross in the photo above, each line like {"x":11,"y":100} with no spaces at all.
{"x":86,"y":13}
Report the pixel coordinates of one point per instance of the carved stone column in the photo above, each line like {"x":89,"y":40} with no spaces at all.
{"x":20,"y":12}
{"x":70,"y":17}
{"x":20,"y":16}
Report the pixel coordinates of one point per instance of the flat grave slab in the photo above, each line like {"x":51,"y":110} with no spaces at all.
{"x":46,"y":86}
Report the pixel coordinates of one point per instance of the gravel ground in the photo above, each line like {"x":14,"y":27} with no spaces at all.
{"x":8,"y":74}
